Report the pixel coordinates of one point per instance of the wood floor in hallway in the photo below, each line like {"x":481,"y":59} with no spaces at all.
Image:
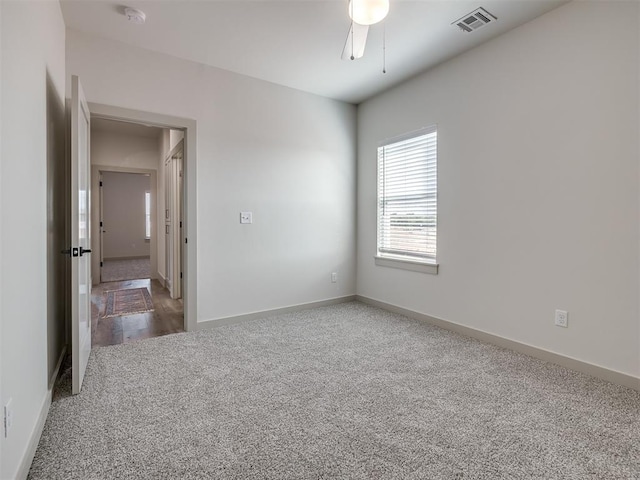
{"x":167,"y":317}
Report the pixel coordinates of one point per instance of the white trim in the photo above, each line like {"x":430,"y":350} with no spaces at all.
{"x":403,"y":264}
{"x":34,"y":439}
{"x":218,"y":322}
{"x":190,"y":280}
{"x":603,"y":373}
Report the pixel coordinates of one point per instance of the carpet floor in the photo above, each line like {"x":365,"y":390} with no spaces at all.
{"x":346,"y":391}
{"x":130,"y":269}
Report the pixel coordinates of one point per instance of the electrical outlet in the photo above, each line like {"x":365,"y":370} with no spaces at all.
{"x":562,"y":318}
{"x":334,"y":277}
{"x":8,"y":418}
{"x":246,"y":217}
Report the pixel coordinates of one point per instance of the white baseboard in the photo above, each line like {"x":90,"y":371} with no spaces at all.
{"x":609,"y":375}
{"x":34,"y":438}
{"x":36,"y":433}
{"x":218,"y":322}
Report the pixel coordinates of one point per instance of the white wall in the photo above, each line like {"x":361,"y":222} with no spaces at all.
{"x":116,"y":149}
{"x":123,"y":214}
{"x":1,"y":233}
{"x":33,"y":43}
{"x":538,"y":185}
{"x":287,"y":156}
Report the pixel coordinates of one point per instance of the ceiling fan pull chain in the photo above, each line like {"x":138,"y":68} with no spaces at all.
{"x":384,"y":47}
{"x":352,"y":31}
{"x":352,"y":55}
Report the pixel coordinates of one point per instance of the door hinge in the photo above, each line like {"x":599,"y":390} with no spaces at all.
{"x":100,"y":223}
{"x":100,"y":182}
{"x":100,"y":263}
{"x":180,"y":223}
{"x":185,"y":240}
{"x":180,"y":275}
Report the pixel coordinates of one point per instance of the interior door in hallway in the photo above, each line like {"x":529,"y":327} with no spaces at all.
{"x":80,"y":236}
{"x":174,"y":214}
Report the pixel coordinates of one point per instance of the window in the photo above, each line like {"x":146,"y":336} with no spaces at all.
{"x":147,"y":215}
{"x":407,"y":201}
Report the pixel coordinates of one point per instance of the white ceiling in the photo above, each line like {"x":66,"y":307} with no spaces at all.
{"x":298,"y":43}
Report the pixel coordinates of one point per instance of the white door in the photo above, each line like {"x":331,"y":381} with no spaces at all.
{"x":80,"y":236}
{"x":101,"y":230}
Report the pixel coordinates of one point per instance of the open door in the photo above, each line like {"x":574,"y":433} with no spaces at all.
{"x":80,"y":236}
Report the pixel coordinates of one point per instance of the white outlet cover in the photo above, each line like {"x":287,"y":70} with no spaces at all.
{"x":562,"y":318}
{"x":246,"y":217}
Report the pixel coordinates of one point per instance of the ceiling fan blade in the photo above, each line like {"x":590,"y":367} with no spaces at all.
{"x":356,"y":41}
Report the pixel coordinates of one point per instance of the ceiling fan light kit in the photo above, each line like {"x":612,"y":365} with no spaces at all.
{"x":368,"y":12}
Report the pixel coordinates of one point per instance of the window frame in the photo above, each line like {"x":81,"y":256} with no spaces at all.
{"x":406,"y":260}
{"x":147,"y":215}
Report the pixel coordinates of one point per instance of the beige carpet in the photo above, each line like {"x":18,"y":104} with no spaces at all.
{"x":341,"y":392}
{"x":131,"y":269}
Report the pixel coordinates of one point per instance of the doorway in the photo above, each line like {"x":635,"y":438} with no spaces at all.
{"x":187,"y":237}
{"x":128,"y":196}
{"x":124,"y":226}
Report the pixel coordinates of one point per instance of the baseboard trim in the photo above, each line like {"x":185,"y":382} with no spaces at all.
{"x":135,"y":257}
{"x":609,"y":375}
{"x":34,"y":438}
{"x":233,"y":320}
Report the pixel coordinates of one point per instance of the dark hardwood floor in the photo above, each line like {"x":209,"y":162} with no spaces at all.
{"x":167,"y":317}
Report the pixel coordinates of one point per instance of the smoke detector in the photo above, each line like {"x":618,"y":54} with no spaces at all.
{"x":135,"y":16}
{"x":474,"y":20}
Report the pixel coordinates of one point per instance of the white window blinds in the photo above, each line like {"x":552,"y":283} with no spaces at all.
{"x":407,"y":196}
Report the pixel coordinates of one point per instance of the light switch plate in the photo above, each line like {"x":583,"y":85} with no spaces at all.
{"x":246,"y":217}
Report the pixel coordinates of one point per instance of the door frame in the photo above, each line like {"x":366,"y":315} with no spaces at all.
{"x":97,"y":215}
{"x":190,"y":230}
{"x":174,"y":195}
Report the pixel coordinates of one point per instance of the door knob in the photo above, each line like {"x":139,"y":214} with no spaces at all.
{"x":83,"y":251}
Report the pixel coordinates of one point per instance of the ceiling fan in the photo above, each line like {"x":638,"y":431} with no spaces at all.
{"x":363,"y":13}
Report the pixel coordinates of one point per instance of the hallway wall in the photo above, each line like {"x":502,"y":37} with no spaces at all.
{"x":123,"y":208}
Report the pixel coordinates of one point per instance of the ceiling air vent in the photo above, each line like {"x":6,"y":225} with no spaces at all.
{"x":474,"y":20}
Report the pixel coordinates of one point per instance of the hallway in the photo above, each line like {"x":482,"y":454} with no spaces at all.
{"x":167,"y":317}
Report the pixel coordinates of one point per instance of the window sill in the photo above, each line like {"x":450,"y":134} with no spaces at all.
{"x":431,"y":268}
